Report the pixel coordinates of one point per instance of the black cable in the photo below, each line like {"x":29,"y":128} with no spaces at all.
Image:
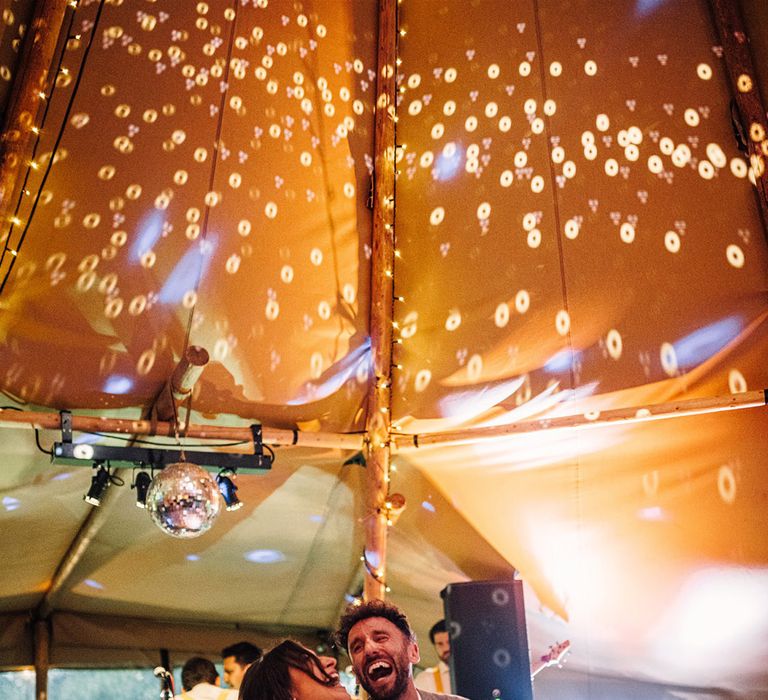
{"x":225,"y":81}
{"x":57,"y":142}
{"x":47,"y":100}
{"x":139,"y":441}
{"x":37,"y":430}
{"x":39,"y":446}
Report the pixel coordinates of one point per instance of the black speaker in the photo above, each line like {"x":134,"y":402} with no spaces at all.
{"x":489,"y":642}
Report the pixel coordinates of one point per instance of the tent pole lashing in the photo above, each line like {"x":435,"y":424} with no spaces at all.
{"x":179,"y":387}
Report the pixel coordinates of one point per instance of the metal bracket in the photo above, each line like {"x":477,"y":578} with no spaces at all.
{"x":159,"y":457}
{"x":258,"y":442}
{"x":66,"y":426}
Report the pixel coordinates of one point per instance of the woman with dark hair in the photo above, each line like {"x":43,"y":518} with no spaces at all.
{"x":293,"y":672}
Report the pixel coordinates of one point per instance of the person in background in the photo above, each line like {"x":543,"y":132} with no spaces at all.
{"x":290,"y":671}
{"x":237,"y":659}
{"x":383,"y":649}
{"x":200,"y":681}
{"x":437,"y":679}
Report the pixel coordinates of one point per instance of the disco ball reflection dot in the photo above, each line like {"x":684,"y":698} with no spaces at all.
{"x":183,"y":500}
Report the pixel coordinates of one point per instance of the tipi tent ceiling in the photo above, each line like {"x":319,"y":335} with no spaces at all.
{"x":576,"y":231}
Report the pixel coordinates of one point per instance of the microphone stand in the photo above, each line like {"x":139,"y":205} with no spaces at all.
{"x":167,"y":692}
{"x":166,"y":683}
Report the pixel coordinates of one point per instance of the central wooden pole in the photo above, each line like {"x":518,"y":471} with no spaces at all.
{"x":42,"y":658}
{"x":382,"y":265}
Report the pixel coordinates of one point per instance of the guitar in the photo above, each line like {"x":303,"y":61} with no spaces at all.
{"x":553,"y":657}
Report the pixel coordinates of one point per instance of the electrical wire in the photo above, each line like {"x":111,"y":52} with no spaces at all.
{"x":139,"y":441}
{"x":37,"y":431}
{"x":57,"y":142}
{"x":143,"y":442}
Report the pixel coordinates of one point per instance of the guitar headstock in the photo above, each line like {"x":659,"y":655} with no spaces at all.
{"x":556,"y":653}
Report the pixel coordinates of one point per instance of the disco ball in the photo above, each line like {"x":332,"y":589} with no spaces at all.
{"x":183,"y":500}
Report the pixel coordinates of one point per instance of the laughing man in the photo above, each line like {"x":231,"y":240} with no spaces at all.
{"x":383,"y":649}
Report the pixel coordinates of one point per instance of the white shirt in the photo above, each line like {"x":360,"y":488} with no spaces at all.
{"x":206,"y":691}
{"x":426,"y":679}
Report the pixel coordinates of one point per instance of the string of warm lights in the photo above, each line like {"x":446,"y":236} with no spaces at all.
{"x":45,"y":95}
{"x":398,"y":156}
{"x":394,"y":503}
{"x":212,"y":175}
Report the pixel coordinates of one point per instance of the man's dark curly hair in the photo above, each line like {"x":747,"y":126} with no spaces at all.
{"x":439,"y":626}
{"x":373,"y":608}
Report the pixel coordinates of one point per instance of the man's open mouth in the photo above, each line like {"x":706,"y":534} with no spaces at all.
{"x":378,"y":669}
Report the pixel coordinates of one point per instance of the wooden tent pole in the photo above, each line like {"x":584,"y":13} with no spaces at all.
{"x":382,"y":262}
{"x":90,"y":527}
{"x":42,"y":658}
{"x":34,"y":66}
{"x":275,"y":436}
{"x":179,"y":387}
{"x":126,"y":426}
{"x":596,"y":419}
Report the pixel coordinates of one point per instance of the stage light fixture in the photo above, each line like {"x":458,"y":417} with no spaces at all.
{"x":141,"y":483}
{"x":99,"y":482}
{"x":228,"y":490}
